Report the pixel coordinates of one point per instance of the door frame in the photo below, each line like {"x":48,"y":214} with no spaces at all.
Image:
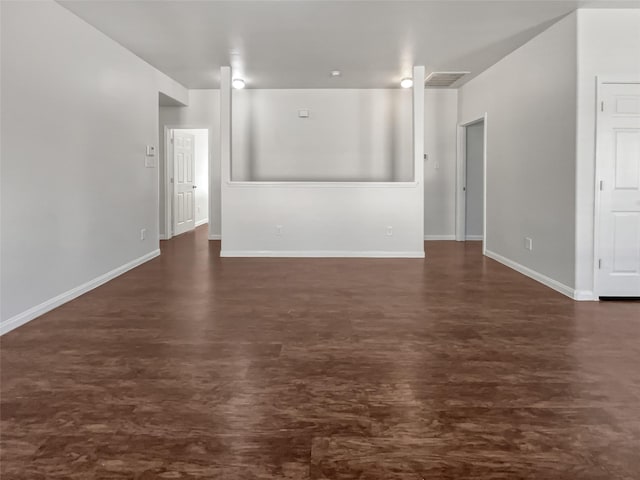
{"x":461,"y":180}
{"x":166,"y":191}
{"x":601,"y":81}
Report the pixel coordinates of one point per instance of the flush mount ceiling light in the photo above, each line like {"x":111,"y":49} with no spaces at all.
{"x":406,"y":82}
{"x":335,"y":73}
{"x":238,"y":83}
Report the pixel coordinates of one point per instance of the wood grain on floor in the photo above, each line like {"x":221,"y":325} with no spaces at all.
{"x":192,"y":366}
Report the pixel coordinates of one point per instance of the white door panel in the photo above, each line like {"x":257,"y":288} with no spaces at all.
{"x":184,"y":198}
{"x":618,"y":272}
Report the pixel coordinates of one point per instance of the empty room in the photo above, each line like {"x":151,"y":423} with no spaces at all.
{"x":320,"y":240}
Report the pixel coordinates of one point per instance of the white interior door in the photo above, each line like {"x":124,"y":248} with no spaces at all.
{"x":184,"y":200}
{"x":618,"y":273}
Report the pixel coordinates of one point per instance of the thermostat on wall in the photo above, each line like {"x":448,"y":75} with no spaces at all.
{"x":303,"y":113}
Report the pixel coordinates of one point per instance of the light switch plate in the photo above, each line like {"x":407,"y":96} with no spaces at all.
{"x":151,"y":150}
{"x":303,"y":113}
{"x":149,"y":162}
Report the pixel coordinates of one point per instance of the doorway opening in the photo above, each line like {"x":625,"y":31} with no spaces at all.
{"x":471,"y":182}
{"x":186,"y":179}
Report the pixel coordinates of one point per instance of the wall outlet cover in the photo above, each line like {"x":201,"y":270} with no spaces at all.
{"x":528,"y":243}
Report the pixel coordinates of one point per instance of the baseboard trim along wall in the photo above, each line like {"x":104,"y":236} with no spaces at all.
{"x":215,"y":236}
{"x":320,"y":254}
{"x":539,"y":277}
{"x":473,"y":237}
{"x":202,"y":222}
{"x":585,"y":295}
{"x":439,"y":237}
{"x":162,"y":236}
{"x":48,"y":305}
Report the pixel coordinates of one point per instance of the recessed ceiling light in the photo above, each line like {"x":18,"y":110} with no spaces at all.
{"x":335,"y":73}
{"x":238,"y":83}
{"x":406,"y":82}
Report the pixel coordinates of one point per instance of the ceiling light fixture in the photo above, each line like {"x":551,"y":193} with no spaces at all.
{"x":238,"y":83}
{"x":406,"y":82}
{"x":335,"y":73}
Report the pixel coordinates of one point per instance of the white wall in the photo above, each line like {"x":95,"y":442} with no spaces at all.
{"x":322,"y":218}
{"x":349,"y":135}
{"x":530,"y":99}
{"x":201,"y":160}
{"x":441,"y":112}
{"x":440,"y":130}
{"x":608,"y":45}
{"x":74,"y":196}
{"x":474,"y":153}
{"x":203,"y":111}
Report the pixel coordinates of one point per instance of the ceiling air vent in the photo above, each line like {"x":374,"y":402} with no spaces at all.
{"x":443,"y":79}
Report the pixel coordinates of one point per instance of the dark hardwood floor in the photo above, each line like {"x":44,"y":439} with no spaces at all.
{"x":192,"y":366}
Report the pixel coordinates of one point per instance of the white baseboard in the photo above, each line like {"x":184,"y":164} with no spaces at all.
{"x":202,"y":222}
{"x":439,"y":237}
{"x":320,"y":254}
{"x":585,"y":295}
{"x":473,"y":237}
{"x":162,"y":236}
{"x":48,"y":305}
{"x":539,"y":277}
{"x":215,"y":236}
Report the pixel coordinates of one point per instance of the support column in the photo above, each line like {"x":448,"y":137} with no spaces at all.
{"x":225,"y":142}
{"x":418,"y":138}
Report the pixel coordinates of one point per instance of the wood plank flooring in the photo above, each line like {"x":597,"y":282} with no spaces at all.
{"x":193,"y":366}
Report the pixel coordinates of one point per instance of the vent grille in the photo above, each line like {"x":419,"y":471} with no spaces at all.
{"x":443,"y":79}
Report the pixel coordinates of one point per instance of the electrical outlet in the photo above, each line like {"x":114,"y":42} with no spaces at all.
{"x":389,"y":231}
{"x":143,"y":233}
{"x":279,"y":230}
{"x":528,"y":243}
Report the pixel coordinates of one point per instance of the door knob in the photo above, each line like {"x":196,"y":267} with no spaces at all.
{"x":195,"y":186}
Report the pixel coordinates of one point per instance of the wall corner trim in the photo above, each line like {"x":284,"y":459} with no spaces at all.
{"x":537,"y":276}
{"x":48,"y":305}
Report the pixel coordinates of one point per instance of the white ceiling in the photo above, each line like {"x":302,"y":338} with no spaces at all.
{"x":295,"y":44}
